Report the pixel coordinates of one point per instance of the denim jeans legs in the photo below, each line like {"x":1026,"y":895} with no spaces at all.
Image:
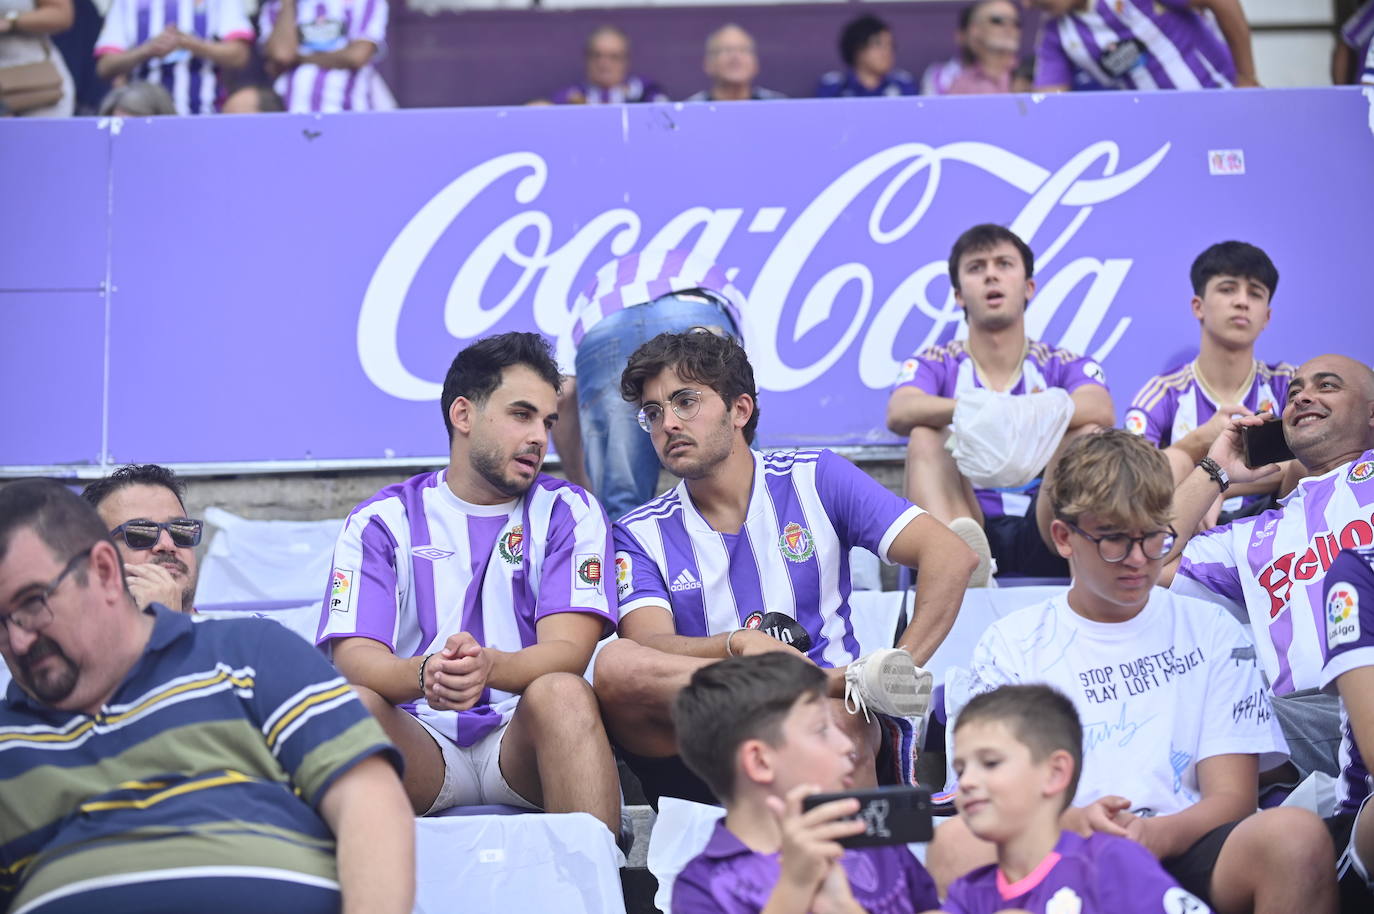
{"x":620,"y":457}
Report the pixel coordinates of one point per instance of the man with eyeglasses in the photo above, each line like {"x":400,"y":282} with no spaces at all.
{"x":144,"y":506}
{"x":1177,"y":722}
{"x":629,"y":302}
{"x":153,"y":763}
{"x":750,"y":553}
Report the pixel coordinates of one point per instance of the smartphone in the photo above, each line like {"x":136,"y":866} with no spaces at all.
{"x":1264,"y":444}
{"x":891,"y":815}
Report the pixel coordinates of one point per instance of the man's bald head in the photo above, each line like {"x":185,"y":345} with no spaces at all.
{"x":1329,"y":417}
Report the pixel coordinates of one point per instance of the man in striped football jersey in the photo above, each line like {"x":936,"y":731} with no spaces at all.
{"x":323,"y":53}
{"x":1352,"y":60}
{"x":750,"y":553}
{"x":1269,"y":569}
{"x":992,"y":271}
{"x":180,"y":45}
{"x":465,"y":603}
{"x":1184,"y":409}
{"x":153,"y":763}
{"x":1144,"y":44}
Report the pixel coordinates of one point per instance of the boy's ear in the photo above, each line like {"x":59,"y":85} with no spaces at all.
{"x":754,"y":762}
{"x":1060,"y":533}
{"x":1059,"y":774}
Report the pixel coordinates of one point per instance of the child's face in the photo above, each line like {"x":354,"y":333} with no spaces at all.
{"x":814,"y":749}
{"x":1002,"y":789}
{"x":1117,"y":588}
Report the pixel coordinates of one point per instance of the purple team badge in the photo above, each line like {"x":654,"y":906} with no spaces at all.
{"x":589,"y":571}
{"x":796,"y":543}
{"x":511,"y":546}
{"x":1361,"y":471}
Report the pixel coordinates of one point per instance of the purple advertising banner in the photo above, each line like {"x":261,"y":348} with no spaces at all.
{"x":292,"y":288}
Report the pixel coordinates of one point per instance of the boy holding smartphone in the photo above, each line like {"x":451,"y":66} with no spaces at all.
{"x":759,"y":731}
{"x":1018,"y":752}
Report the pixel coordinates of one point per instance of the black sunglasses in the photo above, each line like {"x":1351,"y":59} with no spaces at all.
{"x":144,"y":534}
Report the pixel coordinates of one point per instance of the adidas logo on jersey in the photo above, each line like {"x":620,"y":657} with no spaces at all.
{"x":684,"y":581}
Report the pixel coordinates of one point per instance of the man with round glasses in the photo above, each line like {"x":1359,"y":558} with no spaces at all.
{"x":1177,"y":722}
{"x":750,"y":553}
{"x":144,"y":506}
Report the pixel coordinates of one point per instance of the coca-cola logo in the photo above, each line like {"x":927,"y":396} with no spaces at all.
{"x":1277,"y":578}
{"x":778,"y":311}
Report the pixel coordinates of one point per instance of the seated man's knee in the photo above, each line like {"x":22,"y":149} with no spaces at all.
{"x":925,"y":442}
{"x":561,"y":699}
{"x":1288,"y":839}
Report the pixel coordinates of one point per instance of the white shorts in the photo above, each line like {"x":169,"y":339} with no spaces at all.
{"x":472,"y":774}
{"x":1350,"y":859}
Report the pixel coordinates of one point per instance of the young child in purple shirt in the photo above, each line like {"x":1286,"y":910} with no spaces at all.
{"x":1018,"y":751}
{"x":758,"y":731}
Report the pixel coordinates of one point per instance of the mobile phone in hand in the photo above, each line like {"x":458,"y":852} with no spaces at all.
{"x":891,"y":815}
{"x":1264,"y":444}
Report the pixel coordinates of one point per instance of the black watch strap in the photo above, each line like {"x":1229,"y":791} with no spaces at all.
{"x":1214,"y":470}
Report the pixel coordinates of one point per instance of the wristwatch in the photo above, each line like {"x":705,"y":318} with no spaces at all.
{"x":1214,"y":470}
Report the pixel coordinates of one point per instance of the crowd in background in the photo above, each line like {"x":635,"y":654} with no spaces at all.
{"x":321,"y":56}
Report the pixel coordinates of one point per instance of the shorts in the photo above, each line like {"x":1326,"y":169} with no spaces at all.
{"x":1018,"y":548}
{"x":1192,"y":869}
{"x":472,"y":774}
{"x":1353,"y":873}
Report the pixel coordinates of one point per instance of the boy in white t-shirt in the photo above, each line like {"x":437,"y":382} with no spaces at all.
{"x":1176,"y":716}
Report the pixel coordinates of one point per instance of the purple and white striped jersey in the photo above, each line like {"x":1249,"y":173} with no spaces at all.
{"x":191,"y":81}
{"x":950,"y":370}
{"x":1367,"y":74}
{"x":1134,"y":45}
{"x":1358,"y":31}
{"x":1349,"y":646}
{"x":416,"y":564}
{"x":637,"y":279}
{"x":634,"y":89}
{"x":806,"y":509}
{"x":1100,"y":874}
{"x":330,"y":25}
{"x":1271,"y":568}
{"x":1171,"y":405}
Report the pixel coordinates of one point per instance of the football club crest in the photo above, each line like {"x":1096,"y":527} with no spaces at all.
{"x":1135,"y":422}
{"x":796,"y":543}
{"x":1342,"y":616}
{"x":589,"y":572}
{"x":341,"y":591}
{"x":1064,"y":901}
{"x":512,"y":545}
{"x":1361,"y":471}
{"x":754,"y":620}
{"x":624,"y":568}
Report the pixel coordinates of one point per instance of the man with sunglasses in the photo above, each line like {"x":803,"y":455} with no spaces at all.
{"x":750,"y":553}
{"x":1177,"y":722}
{"x":151,"y":763}
{"x":144,"y":507}
{"x":629,"y":302}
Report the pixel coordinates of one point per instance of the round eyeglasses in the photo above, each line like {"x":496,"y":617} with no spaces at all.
{"x":685,"y":403}
{"x":1114,"y":547}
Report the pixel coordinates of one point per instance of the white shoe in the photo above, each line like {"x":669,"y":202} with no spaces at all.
{"x":889,"y":682}
{"x":971,"y":532}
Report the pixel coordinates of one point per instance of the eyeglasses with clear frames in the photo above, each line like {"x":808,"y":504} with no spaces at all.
{"x":34,"y":614}
{"x":685,"y":403}
{"x":1114,"y":547}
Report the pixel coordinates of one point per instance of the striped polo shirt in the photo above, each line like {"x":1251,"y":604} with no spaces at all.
{"x":198,"y":782}
{"x":416,"y":564}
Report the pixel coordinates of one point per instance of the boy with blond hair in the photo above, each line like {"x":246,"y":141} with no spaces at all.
{"x":1176,"y":717}
{"x":760,"y":732}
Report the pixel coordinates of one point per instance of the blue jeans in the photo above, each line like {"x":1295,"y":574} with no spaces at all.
{"x":620,"y":457}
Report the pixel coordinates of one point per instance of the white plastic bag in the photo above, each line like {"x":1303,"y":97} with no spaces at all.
{"x":1004,"y":441}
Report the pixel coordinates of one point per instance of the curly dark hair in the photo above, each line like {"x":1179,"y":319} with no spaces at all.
{"x":716,"y":361}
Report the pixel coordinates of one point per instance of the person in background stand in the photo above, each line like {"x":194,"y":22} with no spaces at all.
{"x":989,"y":38}
{"x":870,"y":59}
{"x":609,"y":80}
{"x":25,"y":27}
{"x":732,"y":65}
{"x":323,"y":53}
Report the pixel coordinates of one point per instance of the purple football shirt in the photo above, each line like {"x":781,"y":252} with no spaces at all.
{"x":1135,"y":45}
{"x":950,"y":369}
{"x":634,"y":89}
{"x":1171,"y":405}
{"x":729,"y":878}
{"x":1349,"y":646}
{"x":1102,"y":874}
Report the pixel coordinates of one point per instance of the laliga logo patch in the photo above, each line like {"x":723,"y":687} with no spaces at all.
{"x":1094,"y":371}
{"x":1135,"y":422}
{"x":623,"y":570}
{"x":1266,"y":406}
{"x":589,"y":572}
{"x":908,"y":372}
{"x":512,"y":545}
{"x":341,"y":591}
{"x":1361,"y":471}
{"x":796,"y":543}
{"x":1342,"y":616}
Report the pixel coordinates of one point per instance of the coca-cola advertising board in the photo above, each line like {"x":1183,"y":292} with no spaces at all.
{"x":292,"y":288}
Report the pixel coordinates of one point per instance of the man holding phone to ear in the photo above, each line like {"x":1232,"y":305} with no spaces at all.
{"x":1268,"y":569}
